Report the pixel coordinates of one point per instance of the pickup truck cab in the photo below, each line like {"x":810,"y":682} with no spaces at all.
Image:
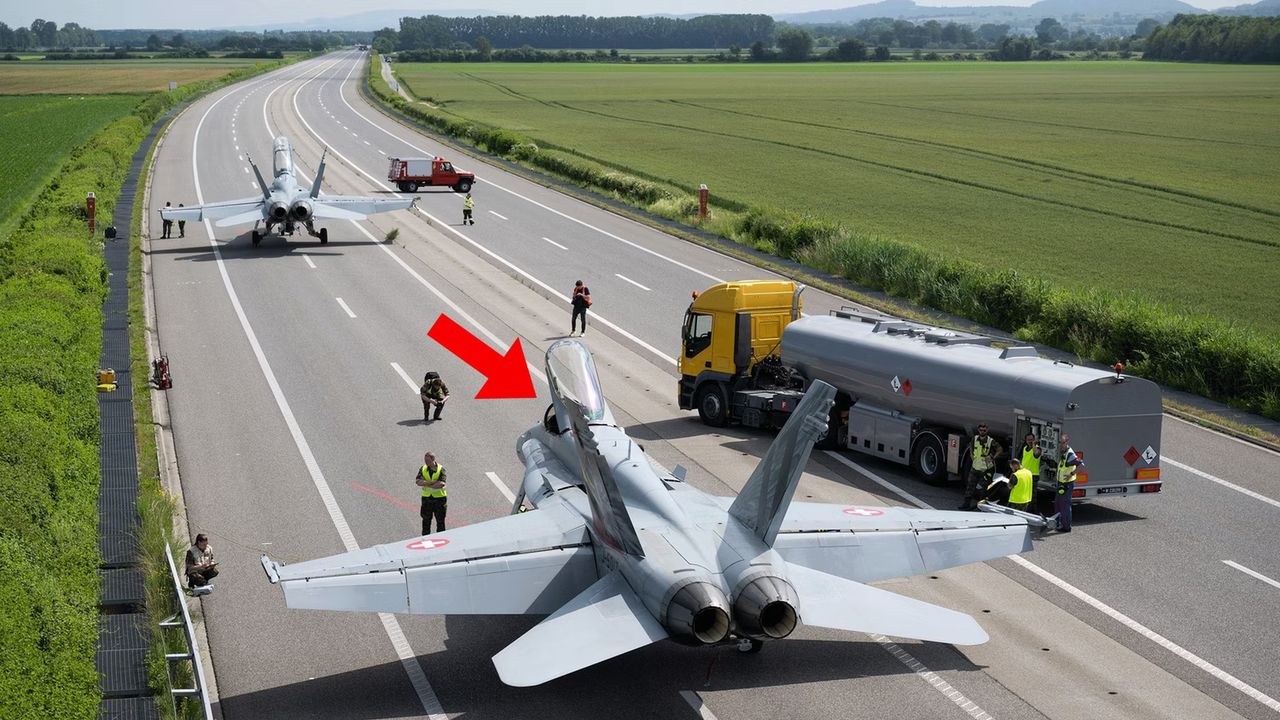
{"x":409,"y":174}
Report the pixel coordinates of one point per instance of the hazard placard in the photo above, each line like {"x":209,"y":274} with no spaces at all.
{"x":1149,"y":455}
{"x":895,"y":383}
{"x":427,"y":544}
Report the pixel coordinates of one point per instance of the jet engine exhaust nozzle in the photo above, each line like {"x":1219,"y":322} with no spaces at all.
{"x":764,"y":607}
{"x":301,"y":210}
{"x":279,"y":211}
{"x":698,"y":614}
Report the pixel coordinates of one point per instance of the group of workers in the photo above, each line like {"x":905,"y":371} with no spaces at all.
{"x":167,"y":225}
{"x":1018,"y":489}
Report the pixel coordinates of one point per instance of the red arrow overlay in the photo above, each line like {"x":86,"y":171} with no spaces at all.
{"x":508,"y":375}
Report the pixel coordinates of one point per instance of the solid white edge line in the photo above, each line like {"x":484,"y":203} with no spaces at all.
{"x":1220,"y":481}
{"x":620,"y":276}
{"x":549,"y":209}
{"x":344,"y":307}
{"x":500,"y":216}
{"x":553,"y":242}
{"x":695,"y":701}
{"x":408,"y":659}
{"x":947,"y":689}
{"x":1254,"y":573}
{"x":1223,"y":435}
{"x":878,"y":480}
{"x":502,"y":488}
{"x":1097,"y":604}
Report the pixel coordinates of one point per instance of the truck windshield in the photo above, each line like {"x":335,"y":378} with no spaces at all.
{"x":697,"y":333}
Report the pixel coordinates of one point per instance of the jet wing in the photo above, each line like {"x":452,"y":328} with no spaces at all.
{"x":341,"y":207}
{"x":870,"y":543}
{"x":532,"y":563}
{"x":218,"y":210}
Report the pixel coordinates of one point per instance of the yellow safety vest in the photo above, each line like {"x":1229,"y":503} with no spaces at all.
{"x":468,"y":203}
{"x":1030,"y":462}
{"x":1021,"y":493}
{"x":980,"y":460}
{"x":429,"y":476}
{"x":1066,"y":473}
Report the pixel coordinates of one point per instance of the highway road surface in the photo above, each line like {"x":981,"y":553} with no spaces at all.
{"x":297,"y":430}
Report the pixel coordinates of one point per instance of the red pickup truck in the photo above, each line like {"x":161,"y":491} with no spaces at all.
{"x":409,"y":174}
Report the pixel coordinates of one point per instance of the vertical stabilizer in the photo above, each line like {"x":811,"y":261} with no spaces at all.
{"x":315,"y":186}
{"x":266,"y":191}
{"x":763,"y":501}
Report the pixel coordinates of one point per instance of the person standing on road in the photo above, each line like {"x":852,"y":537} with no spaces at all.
{"x":166,"y":224}
{"x":433,"y":392}
{"x":435,"y":499}
{"x":982,"y":464}
{"x":581,"y":300}
{"x":1023,"y":486}
{"x":200,"y":566}
{"x":182,"y":225}
{"x":468,"y":205}
{"x":1069,"y":465}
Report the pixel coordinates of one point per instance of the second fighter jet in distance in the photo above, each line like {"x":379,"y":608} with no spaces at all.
{"x":285,"y":205}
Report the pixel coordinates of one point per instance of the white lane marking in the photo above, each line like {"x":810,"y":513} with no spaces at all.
{"x":1220,"y":481}
{"x":1254,"y":573}
{"x":1107,"y":610}
{"x":239,"y":158}
{"x":246,"y":170}
{"x":308,"y":259}
{"x":1223,"y":435}
{"x":633,"y":282}
{"x":473,"y":243}
{"x":553,"y":242}
{"x":878,"y":480}
{"x":695,"y":701}
{"x":383,"y":152}
{"x":354,"y":135}
{"x":344,"y":307}
{"x":405,"y":376}
{"x":497,"y":215}
{"x":366,"y":142}
{"x":932,"y":678}
{"x":549,"y":209}
{"x":408,"y":659}
{"x":502,"y":487}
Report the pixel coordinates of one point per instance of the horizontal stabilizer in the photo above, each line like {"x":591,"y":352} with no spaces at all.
{"x":253,"y":215}
{"x":606,"y":620}
{"x":832,"y":602}
{"x":323,"y":210}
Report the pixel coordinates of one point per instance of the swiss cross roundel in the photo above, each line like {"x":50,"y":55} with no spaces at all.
{"x":427,"y":544}
{"x":862,"y":511}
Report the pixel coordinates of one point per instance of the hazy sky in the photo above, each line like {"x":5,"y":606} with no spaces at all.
{"x":222,"y":13}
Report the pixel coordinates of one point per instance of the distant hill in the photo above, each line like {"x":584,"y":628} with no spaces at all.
{"x":909,"y":10}
{"x":1266,"y":7}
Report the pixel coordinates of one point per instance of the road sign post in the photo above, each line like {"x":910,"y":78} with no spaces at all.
{"x":702,"y":201}
{"x":91,"y":209}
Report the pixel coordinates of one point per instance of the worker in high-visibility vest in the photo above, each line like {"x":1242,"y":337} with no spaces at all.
{"x":435,"y":499}
{"x":468,"y":205}
{"x":1022,"y":486}
{"x":1069,"y":465}
{"x":982,"y":465}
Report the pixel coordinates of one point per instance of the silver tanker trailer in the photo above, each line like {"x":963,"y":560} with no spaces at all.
{"x":912,"y":393}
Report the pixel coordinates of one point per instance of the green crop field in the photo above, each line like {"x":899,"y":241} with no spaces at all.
{"x":1160,"y":179}
{"x":37,"y":132}
{"x":110,"y":76}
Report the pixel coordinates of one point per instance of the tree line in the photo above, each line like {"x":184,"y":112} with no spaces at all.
{"x":46,"y":34}
{"x":1209,"y":38}
{"x":576,"y":32}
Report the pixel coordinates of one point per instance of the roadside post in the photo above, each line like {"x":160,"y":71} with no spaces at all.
{"x":702,"y":201}
{"x":91,"y":209}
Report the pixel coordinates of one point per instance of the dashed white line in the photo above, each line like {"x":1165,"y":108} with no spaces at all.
{"x":932,"y":678}
{"x":246,"y":170}
{"x":1220,"y":481}
{"x":553,"y":242}
{"x":502,"y":487}
{"x":1253,"y":573}
{"x":344,"y":307}
{"x":383,"y":152}
{"x":366,"y":142}
{"x":497,"y":215}
{"x":695,"y":701}
{"x":633,"y":282}
{"x":405,"y":376}
{"x":308,"y":259}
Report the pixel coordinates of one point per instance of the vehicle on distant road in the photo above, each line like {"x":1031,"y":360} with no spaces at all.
{"x":409,"y":174}
{"x":912,"y":393}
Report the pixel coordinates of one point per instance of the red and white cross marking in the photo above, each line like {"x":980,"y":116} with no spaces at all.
{"x":427,"y":544}
{"x":863,"y":512}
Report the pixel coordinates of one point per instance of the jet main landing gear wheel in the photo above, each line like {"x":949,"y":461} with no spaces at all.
{"x":257,"y":238}
{"x":324,"y":235}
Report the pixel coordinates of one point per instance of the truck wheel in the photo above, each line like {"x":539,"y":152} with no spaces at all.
{"x":463,"y":186}
{"x":402,"y":187}
{"x":928,"y":458}
{"x":712,"y":405}
{"x":411,"y":187}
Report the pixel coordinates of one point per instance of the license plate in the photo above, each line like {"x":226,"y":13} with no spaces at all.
{"x":1111,"y":490}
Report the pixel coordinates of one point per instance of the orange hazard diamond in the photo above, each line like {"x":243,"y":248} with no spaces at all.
{"x":906,"y":389}
{"x":1132,"y":455}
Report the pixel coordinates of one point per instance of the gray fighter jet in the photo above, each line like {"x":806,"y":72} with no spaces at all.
{"x":285,"y":204}
{"x":621,"y":553}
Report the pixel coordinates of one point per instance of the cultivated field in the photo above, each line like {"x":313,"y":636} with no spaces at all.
{"x":110,"y":76}
{"x":1154,"y":178}
{"x":37,"y":132}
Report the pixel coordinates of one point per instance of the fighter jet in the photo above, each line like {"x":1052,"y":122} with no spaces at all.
{"x":622,"y":553}
{"x":285,"y":204}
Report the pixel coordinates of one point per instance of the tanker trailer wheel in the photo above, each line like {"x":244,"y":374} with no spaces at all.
{"x":928,"y":458}
{"x":712,"y":405}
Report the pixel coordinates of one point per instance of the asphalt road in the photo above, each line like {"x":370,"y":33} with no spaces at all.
{"x":297,"y":431}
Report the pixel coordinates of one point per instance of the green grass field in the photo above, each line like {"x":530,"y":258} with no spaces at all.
{"x":1159,"y":179}
{"x":110,"y":76}
{"x":38,"y":131}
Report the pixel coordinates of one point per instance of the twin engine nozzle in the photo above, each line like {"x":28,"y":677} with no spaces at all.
{"x":279,"y":211}
{"x":301,"y":210}
{"x":764,"y":607}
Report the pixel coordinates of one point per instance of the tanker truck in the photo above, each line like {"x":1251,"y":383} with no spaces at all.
{"x":911,"y":393}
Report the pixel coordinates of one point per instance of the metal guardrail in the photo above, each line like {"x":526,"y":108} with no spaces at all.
{"x":182,"y":619}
